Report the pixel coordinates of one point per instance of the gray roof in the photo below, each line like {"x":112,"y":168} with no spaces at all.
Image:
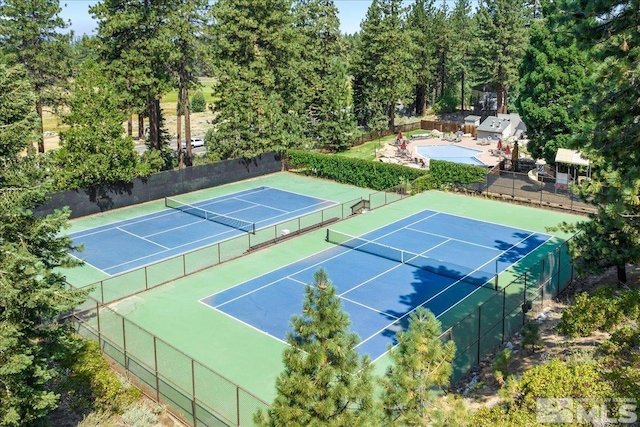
{"x":494,"y":124}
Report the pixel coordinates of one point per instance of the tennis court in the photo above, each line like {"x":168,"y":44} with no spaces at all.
{"x":132,"y":243}
{"x":431,"y":259}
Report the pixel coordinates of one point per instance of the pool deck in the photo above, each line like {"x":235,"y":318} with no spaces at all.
{"x":391,"y":153}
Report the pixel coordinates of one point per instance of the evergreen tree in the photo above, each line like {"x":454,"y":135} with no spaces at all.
{"x":382,"y":73}
{"x":136,"y":43}
{"x":325,"y":383}
{"x":330,"y":123}
{"x":553,"y":76}
{"x":29,"y":36}
{"x":93,"y":150}
{"x":421,"y":362}
{"x":256,"y":55}
{"x":32,"y":294}
{"x":461,"y":23}
{"x":501,"y":37}
{"x":421,"y":27}
{"x":19,"y":123}
{"x":187,"y":25}
{"x":610,"y":135}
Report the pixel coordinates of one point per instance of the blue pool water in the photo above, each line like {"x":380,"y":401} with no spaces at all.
{"x":451,"y":153}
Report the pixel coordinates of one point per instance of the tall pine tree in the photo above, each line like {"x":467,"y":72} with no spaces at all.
{"x":553,"y":76}
{"x":382,"y":73}
{"x":259,"y":91}
{"x":32,"y":293}
{"x":610,"y":135}
{"x":30,"y":36}
{"x":325,"y":381}
{"x":330,"y":123}
{"x":501,"y":37}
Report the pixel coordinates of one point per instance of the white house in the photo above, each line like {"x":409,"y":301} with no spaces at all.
{"x":501,"y":126}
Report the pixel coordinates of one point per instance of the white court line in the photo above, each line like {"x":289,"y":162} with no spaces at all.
{"x":453,"y":239}
{"x":142,"y":238}
{"x":244,"y":323}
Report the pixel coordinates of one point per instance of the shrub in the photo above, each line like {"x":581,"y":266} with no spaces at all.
{"x":198,"y":102}
{"x":604,"y":310}
{"x":92,"y":385}
{"x":531,"y":336}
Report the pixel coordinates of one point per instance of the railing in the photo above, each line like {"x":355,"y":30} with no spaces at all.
{"x":132,"y":282}
{"x":497,"y":319}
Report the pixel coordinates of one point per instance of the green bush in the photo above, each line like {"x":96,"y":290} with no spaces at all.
{"x":198,"y":102}
{"x":605,"y":310}
{"x":346,"y":170}
{"x":91,"y":385}
{"x":381,"y":176}
{"x":445,"y":104}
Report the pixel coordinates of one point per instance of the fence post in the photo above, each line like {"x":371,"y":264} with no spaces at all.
{"x":193,"y":393}
{"x":479,"y":330}
{"x":124,"y":345}
{"x":98,"y":320}
{"x":504,"y":314}
{"x":238,"y":406}
{"x":155,"y":367}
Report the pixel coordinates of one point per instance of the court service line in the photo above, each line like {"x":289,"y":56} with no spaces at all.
{"x":454,"y":239}
{"x":259,"y":204}
{"x":245,"y":323}
{"x":319,"y":208}
{"x":179,"y":254}
{"x":371,"y":308}
{"x":143,"y":238}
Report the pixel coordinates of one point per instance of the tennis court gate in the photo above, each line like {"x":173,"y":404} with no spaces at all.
{"x":496,"y":320}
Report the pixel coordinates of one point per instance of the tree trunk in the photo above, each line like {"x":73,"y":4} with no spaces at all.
{"x":130,"y":125}
{"x":421,"y":100}
{"x":41,"y":136}
{"x":141,"y":126}
{"x":622,"y":274}
{"x":462,"y":92}
{"x":154,"y":137}
{"x":187,"y":126}
{"x":179,"y":132}
{"x":392,"y":116}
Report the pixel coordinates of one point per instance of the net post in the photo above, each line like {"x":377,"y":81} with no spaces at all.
{"x":166,"y":202}
{"x":327,"y":236}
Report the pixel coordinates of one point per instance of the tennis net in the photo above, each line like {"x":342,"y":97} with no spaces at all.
{"x":249,"y":227}
{"x":442,"y":268}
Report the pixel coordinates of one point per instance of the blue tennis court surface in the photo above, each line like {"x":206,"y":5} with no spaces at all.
{"x":447,"y":258}
{"x":133,"y":243}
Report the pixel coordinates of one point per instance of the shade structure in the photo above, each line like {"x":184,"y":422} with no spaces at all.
{"x":403,"y":146}
{"x":499,"y":144}
{"x":507,"y":150}
{"x":400,"y":135}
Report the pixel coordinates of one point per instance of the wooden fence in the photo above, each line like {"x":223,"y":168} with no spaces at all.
{"x":423,"y":124}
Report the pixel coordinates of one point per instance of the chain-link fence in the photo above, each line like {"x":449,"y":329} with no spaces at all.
{"x":517,"y":186}
{"x":481,"y":331}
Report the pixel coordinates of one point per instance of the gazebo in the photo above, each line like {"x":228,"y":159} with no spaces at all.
{"x":569,"y":166}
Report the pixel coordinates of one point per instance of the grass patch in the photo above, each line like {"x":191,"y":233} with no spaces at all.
{"x":366,"y":151}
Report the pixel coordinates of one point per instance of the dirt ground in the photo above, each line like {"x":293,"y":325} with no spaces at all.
{"x":480,"y":385}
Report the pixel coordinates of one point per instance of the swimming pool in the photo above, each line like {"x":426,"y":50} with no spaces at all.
{"x":451,"y":153}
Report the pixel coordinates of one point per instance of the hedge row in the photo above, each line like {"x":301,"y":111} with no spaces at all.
{"x":346,"y":170}
{"x":381,"y":176}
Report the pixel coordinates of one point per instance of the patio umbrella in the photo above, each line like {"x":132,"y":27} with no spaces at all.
{"x":500,"y":144}
{"x":400,"y":136}
{"x":403,"y":146}
{"x":507,"y":150}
